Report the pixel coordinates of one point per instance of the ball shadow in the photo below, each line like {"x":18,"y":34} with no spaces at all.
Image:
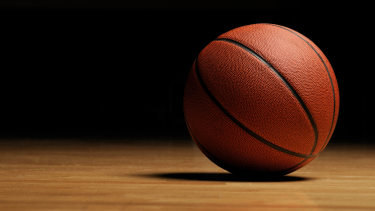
{"x":227,"y":177}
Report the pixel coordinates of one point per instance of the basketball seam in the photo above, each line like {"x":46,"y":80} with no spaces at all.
{"x":218,"y":162}
{"x":250,"y":132}
{"x":311,"y":119}
{"x":330,"y":78}
{"x":295,"y":165}
{"x":224,"y":165}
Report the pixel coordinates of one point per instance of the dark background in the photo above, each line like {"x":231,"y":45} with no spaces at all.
{"x":117,"y":69}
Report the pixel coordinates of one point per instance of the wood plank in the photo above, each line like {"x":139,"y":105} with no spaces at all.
{"x":172,"y":175}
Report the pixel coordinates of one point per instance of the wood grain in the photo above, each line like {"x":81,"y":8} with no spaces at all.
{"x":172,"y":175}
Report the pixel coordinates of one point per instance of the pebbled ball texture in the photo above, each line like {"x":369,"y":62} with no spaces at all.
{"x":261,"y":99}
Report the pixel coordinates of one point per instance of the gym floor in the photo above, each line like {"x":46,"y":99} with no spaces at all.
{"x":49,"y":174}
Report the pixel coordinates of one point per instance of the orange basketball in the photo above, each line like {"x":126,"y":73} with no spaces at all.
{"x":261,"y":99}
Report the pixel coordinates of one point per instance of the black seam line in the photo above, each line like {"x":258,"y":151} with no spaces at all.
{"x":225,"y":111}
{"x":329,"y":75}
{"x":294,"y":166}
{"x":215,"y":160}
{"x":225,"y":165}
{"x":285,"y":82}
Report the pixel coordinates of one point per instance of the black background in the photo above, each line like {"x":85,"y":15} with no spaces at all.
{"x":117,"y":69}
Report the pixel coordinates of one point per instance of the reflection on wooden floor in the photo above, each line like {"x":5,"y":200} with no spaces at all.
{"x":173,"y":175}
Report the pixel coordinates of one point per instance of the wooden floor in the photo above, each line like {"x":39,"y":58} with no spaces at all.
{"x":168,"y":175}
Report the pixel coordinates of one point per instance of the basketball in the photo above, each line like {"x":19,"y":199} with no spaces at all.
{"x":261,"y":99}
